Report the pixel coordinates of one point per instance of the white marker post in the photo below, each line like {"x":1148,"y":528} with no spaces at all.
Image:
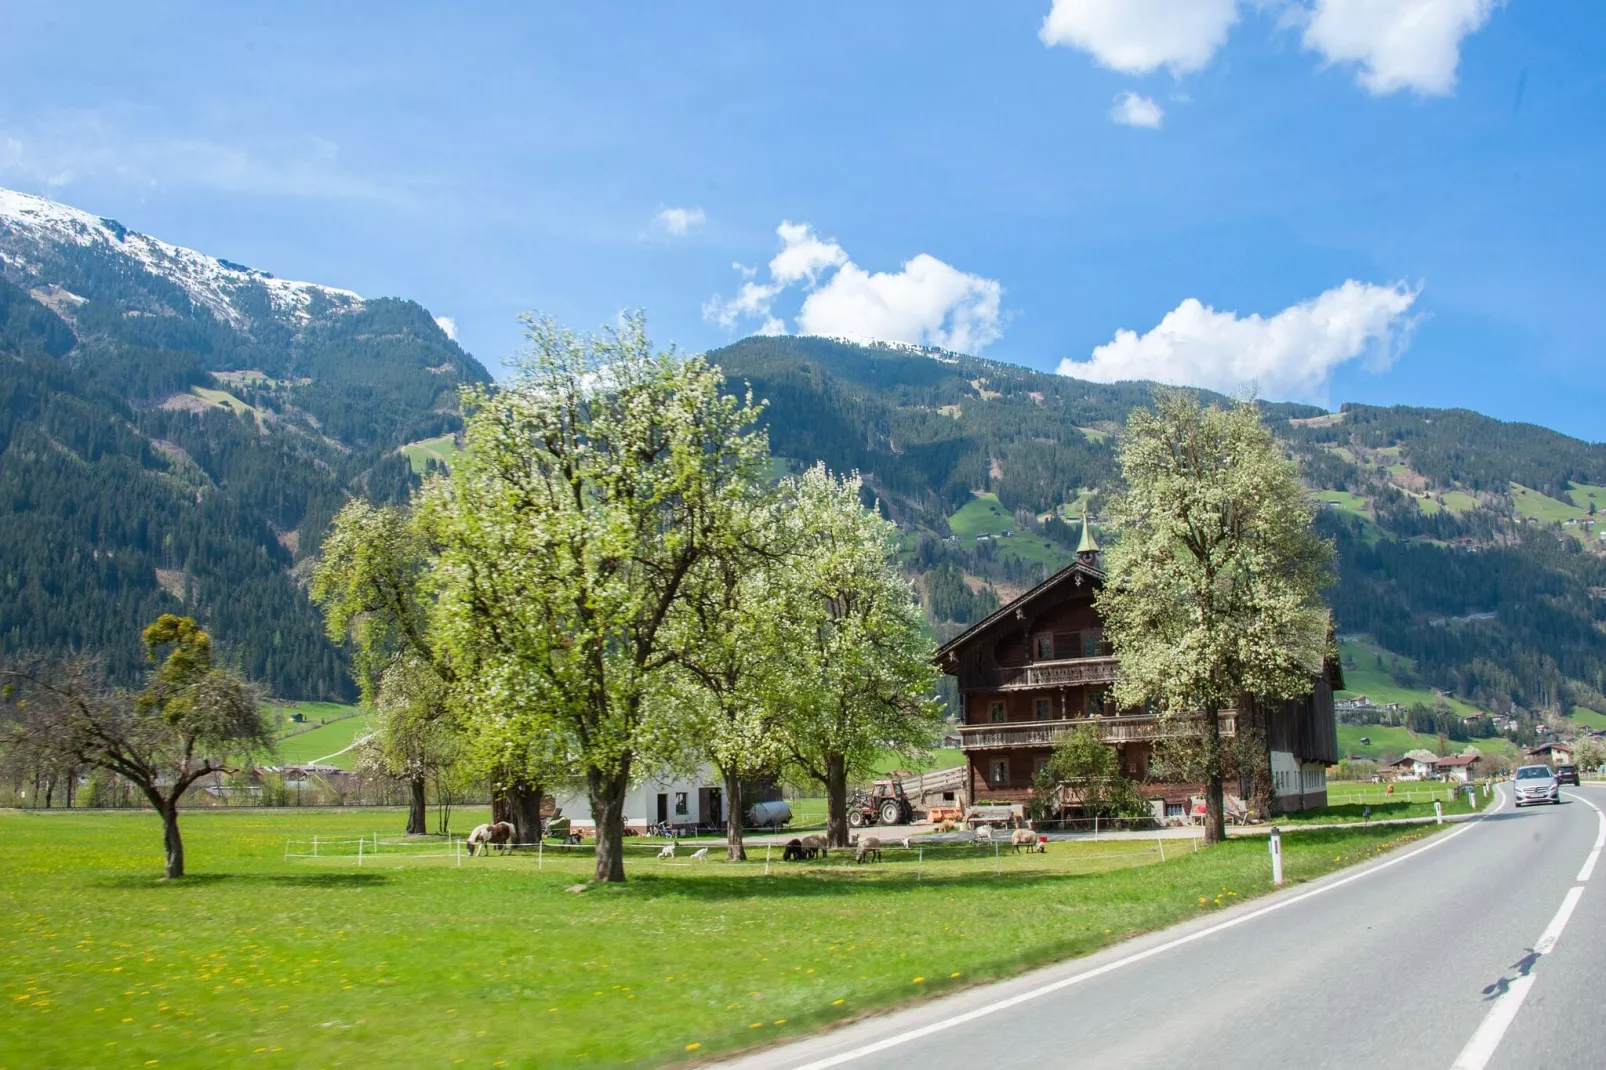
{"x":1274,"y":844}
{"x":1438,"y":811}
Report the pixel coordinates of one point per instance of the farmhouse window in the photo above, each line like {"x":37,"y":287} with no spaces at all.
{"x":1039,"y":764}
{"x":1043,"y":709}
{"x":1095,"y":701}
{"x":1091,"y":642}
{"x":1045,"y":647}
{"x":995,"y":711}
{"x":1000,"y":772}
{"x":680,"y":803}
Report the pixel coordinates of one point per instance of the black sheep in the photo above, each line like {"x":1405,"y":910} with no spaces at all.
{"x":794,"y":851}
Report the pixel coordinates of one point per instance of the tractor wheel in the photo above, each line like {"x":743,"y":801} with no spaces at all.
{"x":891,"y":812}
{"x":856,"y":818}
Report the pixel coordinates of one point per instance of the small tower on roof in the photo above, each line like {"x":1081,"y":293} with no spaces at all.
{"x":1087,"y":551}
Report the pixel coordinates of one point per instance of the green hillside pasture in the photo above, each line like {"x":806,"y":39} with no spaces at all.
{"x":1459,"y":501}
{"x":324,"y":742}
{"x":420,"y":453}
{"x":983,"y":515}
{"x":1530,"y":503}
{"x":1392,"y":741}
{"x":258,"y":960}
{"x":1582,"y":494}
{"x":1588,"y":718}
{"x":222,"y":399}
{"x":1365,"y":678}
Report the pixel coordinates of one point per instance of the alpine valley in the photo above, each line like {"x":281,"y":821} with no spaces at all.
{"x":176,"y":431}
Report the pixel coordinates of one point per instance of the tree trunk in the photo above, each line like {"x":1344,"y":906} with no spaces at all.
{"x":836,"y":800}
{"x":1215,"y":826}
{"x":172,"y":841}
{"x":523,"y":805}
{"x":608,"y":791}
{"x":734,"y":851}
{"x":417,"y":808}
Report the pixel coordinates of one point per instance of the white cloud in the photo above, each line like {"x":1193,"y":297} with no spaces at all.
{"x":1398,"y":44}
{"x":1133,"y":110}
{"x":448,"y":325}
{"x":804,"y":255}
{"x":1141,"y":36}
{"x":927,"y":302}
{"x":1290,"y":355}
{"x":678,"y":221}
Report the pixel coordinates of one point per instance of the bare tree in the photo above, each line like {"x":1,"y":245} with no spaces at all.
{"x":189,"y":721}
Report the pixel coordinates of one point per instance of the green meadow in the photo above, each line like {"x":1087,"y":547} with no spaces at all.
{"x":256,"y":959}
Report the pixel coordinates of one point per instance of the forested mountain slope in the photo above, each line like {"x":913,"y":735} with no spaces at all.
{"x":176,"y":432}
{"x":1465,"y":544}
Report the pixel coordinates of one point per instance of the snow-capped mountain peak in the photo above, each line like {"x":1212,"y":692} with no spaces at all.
{"x":29,"y":225}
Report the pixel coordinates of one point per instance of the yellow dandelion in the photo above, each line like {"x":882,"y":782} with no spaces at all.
{"x":954,"y":974}
{"x":780,"y":1021}
{"x":693,"y":1046}
{"x":838,"y":1002}
{"x":756,"y":1025}
{"x":919,"y":980}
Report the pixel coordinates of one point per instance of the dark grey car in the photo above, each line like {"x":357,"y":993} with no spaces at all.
{"x":1537,"y":784}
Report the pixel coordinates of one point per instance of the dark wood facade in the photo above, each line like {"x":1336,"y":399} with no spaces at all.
{"x":1039,"y":668}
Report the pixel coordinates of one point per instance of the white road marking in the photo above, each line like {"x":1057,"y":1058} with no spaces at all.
{"x":1486,"y":1038}
{"x":1109,"y":967}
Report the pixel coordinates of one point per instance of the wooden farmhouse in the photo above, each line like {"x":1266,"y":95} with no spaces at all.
{"x":1039,"y":667}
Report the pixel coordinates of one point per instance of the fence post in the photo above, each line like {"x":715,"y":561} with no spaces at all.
{"x":1160,"y":840}
{"x":314,"y":846}
{"x":540,"y":848}
{"x":766,"y":860}
{"x":1274,"y":843}
{"x":920,"y":861}
{"x":998,"y":866}
{"x":1438,"y":811}
{"x":459,"y":846}
{"x":287,"y":850}
{"x":1095,"y":827}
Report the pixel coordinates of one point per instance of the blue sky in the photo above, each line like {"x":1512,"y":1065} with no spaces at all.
{"x":1392,"y":201}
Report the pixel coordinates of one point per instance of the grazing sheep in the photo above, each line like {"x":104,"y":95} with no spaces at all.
{"x":700,"y":854}
{"x":667,"y":852}
{"x":1028,"y":839}
{"x":478,"y":839}
{"x":865,"y":847}
{"x":793,"y":852}
{"x":984,"y":832}
{"x":814,"y":847}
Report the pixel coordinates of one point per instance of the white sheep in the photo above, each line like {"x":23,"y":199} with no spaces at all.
{"x":667,"y":852}
{"x":865,"y":847}
{"x":984,"y":832}
{"x":1028,"y":839}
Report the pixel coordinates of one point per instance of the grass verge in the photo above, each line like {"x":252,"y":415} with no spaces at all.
{"x":281,"y":963}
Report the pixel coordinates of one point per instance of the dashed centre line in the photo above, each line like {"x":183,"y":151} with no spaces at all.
{"x":1486,"y":1038}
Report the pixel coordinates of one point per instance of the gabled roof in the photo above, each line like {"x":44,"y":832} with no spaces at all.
{"x":1007,"y":611}
{"x":1458,"y":759}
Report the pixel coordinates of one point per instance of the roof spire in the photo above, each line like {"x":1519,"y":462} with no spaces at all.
{"x":1087,"y":550}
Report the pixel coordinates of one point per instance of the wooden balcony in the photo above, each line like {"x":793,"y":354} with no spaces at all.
{"x":1068,"y":672}
{"x":1140,"y":728}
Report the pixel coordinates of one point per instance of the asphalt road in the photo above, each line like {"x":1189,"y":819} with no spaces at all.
{"x":1483,"y":946}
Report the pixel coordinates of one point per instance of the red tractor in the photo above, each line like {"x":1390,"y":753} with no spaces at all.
{"x":884,"y":804}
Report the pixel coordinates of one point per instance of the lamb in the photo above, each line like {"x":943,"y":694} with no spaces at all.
{"x":1028,"y":839}
{"x":984,"y":832}
{"x":667,"y":852}
{"x":700,"y":854}
{"x":814,"y":846}
{"x":793,"y":852}
{"x":865,"y":847}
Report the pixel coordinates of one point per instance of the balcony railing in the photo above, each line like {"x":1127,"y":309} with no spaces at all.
{"x":1068,"y":672}
{"x":1110,"y":729}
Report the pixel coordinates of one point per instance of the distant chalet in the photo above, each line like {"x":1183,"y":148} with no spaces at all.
{"x":1039,"y":668}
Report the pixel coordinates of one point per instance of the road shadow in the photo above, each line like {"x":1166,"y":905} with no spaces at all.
{"x":1524,"y":966}
{"x":276,"y":880}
